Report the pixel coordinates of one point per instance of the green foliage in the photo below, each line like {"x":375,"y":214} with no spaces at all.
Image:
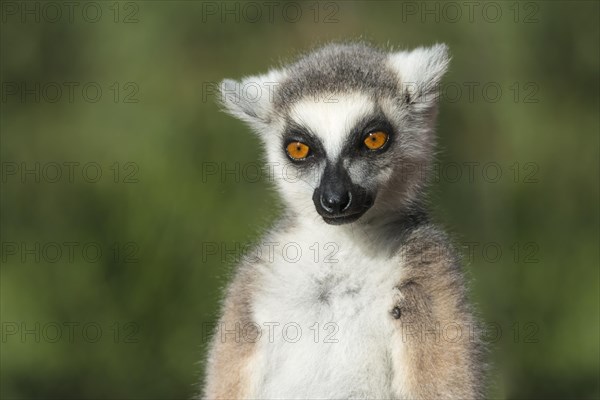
{"x":152,"y":212}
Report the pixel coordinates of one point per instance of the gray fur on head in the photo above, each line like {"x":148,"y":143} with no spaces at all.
{"x":338,"y":68}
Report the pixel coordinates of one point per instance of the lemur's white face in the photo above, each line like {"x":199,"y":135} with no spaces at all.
{"x":339,"y":154}
{"x":336,"y":151}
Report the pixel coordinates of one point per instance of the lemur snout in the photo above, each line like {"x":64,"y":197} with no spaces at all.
{"x":338,"y":200}
{"x":335,"y":202}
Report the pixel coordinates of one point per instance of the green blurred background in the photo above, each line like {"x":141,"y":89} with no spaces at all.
{"x":129,"y":323}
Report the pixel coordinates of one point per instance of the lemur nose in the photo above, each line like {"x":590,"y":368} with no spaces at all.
{"x":335,"y":202}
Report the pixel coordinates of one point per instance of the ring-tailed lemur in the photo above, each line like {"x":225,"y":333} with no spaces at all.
{"x":354,"y":293}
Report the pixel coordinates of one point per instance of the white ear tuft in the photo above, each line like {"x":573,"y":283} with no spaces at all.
{"x":251,"y":99}
{"x":420,"y":71}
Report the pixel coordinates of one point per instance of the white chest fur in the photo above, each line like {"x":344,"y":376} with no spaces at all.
{"x":324,"y":314}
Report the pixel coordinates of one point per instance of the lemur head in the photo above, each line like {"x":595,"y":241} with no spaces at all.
{"x":348,"y":129}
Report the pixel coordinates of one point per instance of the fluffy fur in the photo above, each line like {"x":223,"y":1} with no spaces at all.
{"x":373,"y":308}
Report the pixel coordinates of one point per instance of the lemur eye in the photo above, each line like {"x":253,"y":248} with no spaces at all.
{"x":297,"y":150}
{"x":376,"y":140}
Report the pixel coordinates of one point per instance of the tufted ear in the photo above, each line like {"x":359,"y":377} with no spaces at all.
{"x":420,"y":71}
{"x":251,"y":99}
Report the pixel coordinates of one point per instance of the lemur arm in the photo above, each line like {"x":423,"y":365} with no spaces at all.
{"x":437,"y":347}
{"x":227,"y":372}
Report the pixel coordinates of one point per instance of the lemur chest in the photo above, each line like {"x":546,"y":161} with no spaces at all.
{"x":326,"y":324}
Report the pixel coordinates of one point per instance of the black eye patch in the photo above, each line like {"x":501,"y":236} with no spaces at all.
{"x":295,"y":132}
{"x":373,"y":123}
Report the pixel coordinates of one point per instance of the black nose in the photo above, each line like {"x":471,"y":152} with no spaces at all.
{"x":335,"y":202}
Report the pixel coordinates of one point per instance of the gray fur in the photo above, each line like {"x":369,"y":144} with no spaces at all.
{"x":337,"y":68}
{"x":430,"y":290}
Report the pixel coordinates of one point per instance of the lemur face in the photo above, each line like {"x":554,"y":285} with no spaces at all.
{"x":347,"y":129}
{"x":342,"y":145}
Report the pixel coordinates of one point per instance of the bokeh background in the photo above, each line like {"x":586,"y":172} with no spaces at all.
{"x":109,"y":281}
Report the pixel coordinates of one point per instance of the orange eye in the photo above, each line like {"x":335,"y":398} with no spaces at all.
{"x":376,"y":140}
{"x":297,"y":150}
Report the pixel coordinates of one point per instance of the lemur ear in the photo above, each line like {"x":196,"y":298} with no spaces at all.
{"x":420,"y":71}
{"x":251,"y":99}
